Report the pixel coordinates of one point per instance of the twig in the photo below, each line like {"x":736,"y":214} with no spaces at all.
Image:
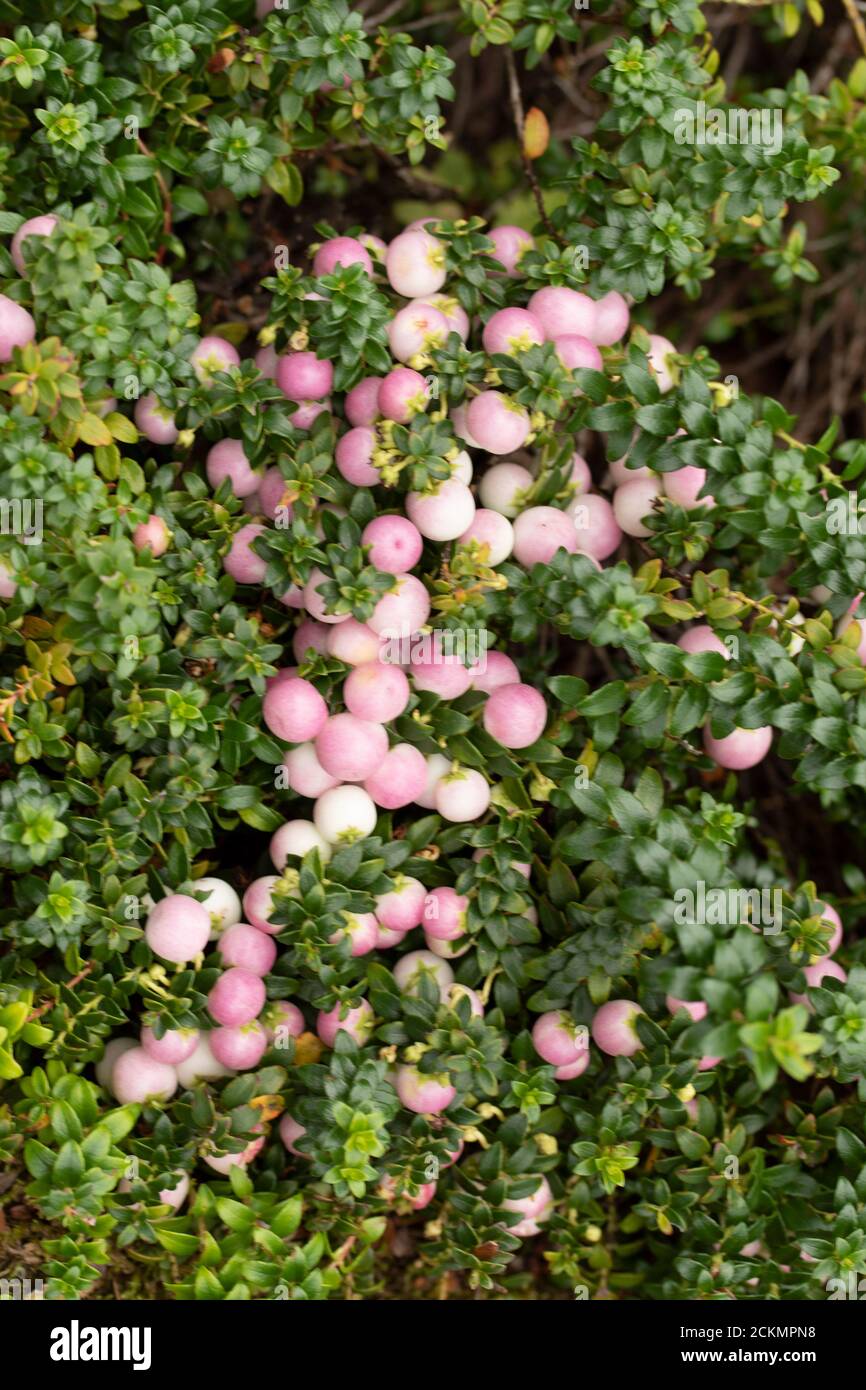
{"x":520,"y":126}
{"x":856,"y":22}
{"x":389,"y":11}
{"x":76,"y":980}
{"x":163,"y":193}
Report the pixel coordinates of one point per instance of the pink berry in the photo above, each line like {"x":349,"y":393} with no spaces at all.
{"x":829,"y":914}
{"x":266,"y":360}
{"x":442,"y":672}
{"x":702,"y":639}
{"x":499,"y":424}
{"x":137,"y":1077}
{"x":634,"y":501}
{"x":493,"y":531}
{"x":345,"y":814}
{"x":664,"y":371}
{"x":249,"y":948}
{"x":375,"y":691}
{"x":415,"y":331}
{"x":620,"y":473}
{"x":492,"y":671}
{"x":259,"y":904}
{"x":155,"y":420}
{"x":402,"y":394}
{"x":558,"y":1040}
{"x":223,"y":1163}
{"x":613,"y":1028}
{"x":416,"y":966}
{"x":573,"y":1069}
{"x":742,"y":749}
{"x":293,"y":840}
{"x":563,"y":311}
{"x":415,"y":264}
{"x":574,"y":351}
{"x":357,"y":1022}
{"x":354,"y":457}
{"x":290,"y":1131}
{"x":315,"y":603}
{"x":456,"y":316}
{"x":302,"y":376}
{"x":17,"y":327}
{"x":403,"y":610}
{"x":341,"y":251}
{"x":444,"y":513}
{"x":227,"y":459}
{"x":177,"y":928}
{"x":237,"y":997}
{"x":201,"y":1066}
{"x":294,"y":710}
{"x":683,"y":486}
{"x":34,"y":226}
{"x":696,"y":1009}
{"x":402,"y":908}
{"x":503,"y":487}
{"x":459,"y":423}
{"x":305,"y":773}
{"x":352,"y":642}
{"x":539,"y":532}
{"x":281,"y":1020}
{"x":535,"y":1208}
{"x":462,"y":795}
{"x":598,"y":532}
{"x":240,"y":1048}
{"x":581,"y":474}
{"x":308,"y":412}
{"x":175,"y":1045}
{"x":611,"y":319}
{"x":425,"y":1095}
{"x":509,"y":244}
{"x":512,"y":331}
{"x":272,"y":497}
{"x":395,"y":543}
{"x":823,"y":969}
{"x":310,"y":636}
{"x":114,"y":1048}
{"x":213,"y":355}
{"x":242,"y":562}
{"x":515,"y":715}
{"x":362,"y":929}
{"x":351,"y":748}
{"x":437,"y":767}
{"x":152,"y":535}
{"x":361,"y":405}
{"x":445,"y":914}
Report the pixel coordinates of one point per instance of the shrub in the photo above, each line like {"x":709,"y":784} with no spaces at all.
{"x":433,"y":733}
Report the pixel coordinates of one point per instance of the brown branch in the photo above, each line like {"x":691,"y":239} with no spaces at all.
{"x":520,"y":126}
{"x":856,"y":22}
{"x":76,"y":980}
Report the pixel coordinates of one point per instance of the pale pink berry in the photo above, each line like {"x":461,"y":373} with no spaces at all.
{"x":227,"y":459}
{"x":519,"y":865}
{"x":402,"y":908}
{"x":665,"y":372}
{"x":241,"y":1048}
{"x":399,"y":779}
{"x":742,"y":749}
{"x":293,"y":597}
{"x":8,"y":584}
{"x":829,"y":914}
{"x":492,"y":671}
{"x":415,"y":264}
{"x":416,"y":966}
{"x":223,"y":1163}
{"x":154,"y":420}
{"x":34,"y":226}
{"x":597,"y":530}
{"x":295,"y":839}
{"x":220,"y":902}
{"x":266,"y":360}
{"x":201,"y":1066}
{"x":611,"y":319}
{"x":237,"y":998}
{"x":362,"y":929}
{"x":351,"y":748}
{"x":696,"y":1009}
{"x":416,"y":331}
{"x":361,"y":405}
{"x":357,"y":1022}
{"x":613,"y":1028}
{"x":259,"y":904}
{"x":17,"y":327}
{"x":702,"y":639}
{"x":574,"y":352}
{"x":535,"y":1208}
{"x":563,"y":311}
{"x":573,"y":1069}
{"x":512,"y":331}
{"x":175,"y":1045}
{"x":459,"y":422}
{"x":213,"y":355}
{"x":448,"y":950}
{"x":310,"y":636}
{"x":249,"y":948}
{"x":498,"y":423}
{"x":509,"y":244}
{"x":282,"y":1019}
{"x":683,"y":486}
{"x":443,"y":514}
{"x":114,"y":1048}
{"x":461,"y":468}
{"x":462,"y":795}
{"x":620,"y":472}
{"x":290,"y":1132}
{"x":152,"y":535}
{"x":302,"y":376}
{"x":345,"y":813}
{"x":437,"y":766}
{"x":308,"y":412}
{"x":376,"y":691}
{"x":443,"y":674}
{"x":354,"y":457}
{"x":455,"y":315}
{"x":305,"y":773}
{"x":445,"y":914}
{"x":395,"y":543}
{"x":341,"y":251}
{"x":493,"y":531}
{"x":824,"y":969}
{"x":294,"y":710}
{"x":402,"y":394}
{"x":137,"y":1078}
{"x":559,"y":1040}
{"x":273,"y":494}
{"x":632,"y":502}
{"x":403,"y":610}
{"x":423,"y":1094}
{"x":503,"y":488}
{"x":581,"y":474}
{"x":539,"y":532}
{"x":177,"y":928}
{"x":242,"y":562}
{"x":515,"y":715}
{"x":315,"y":602}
